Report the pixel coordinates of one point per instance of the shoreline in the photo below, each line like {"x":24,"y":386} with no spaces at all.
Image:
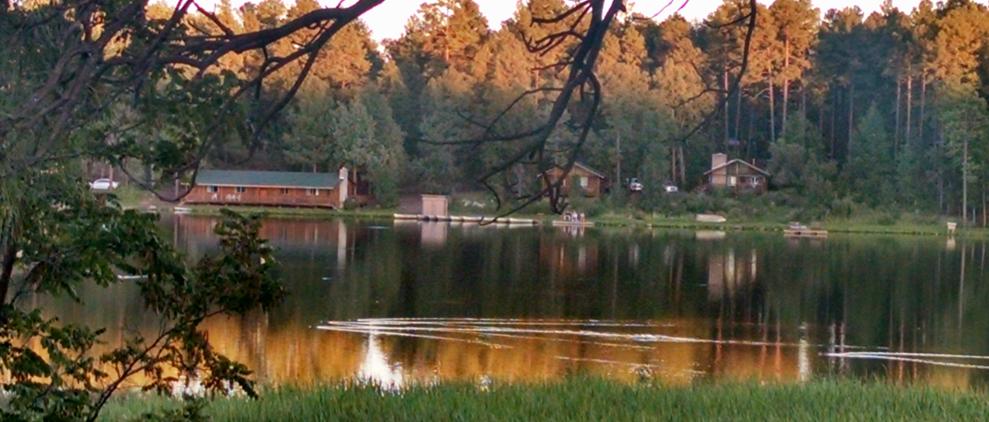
{"x":620,"y":220}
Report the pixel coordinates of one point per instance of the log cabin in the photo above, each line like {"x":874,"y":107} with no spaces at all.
{"x":588,"y":181}
{"x":273,"y":188}
{"x":737,"y":175}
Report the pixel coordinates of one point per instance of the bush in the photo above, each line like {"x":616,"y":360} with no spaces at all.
{"x":592,"y":207}
{"x":842,"y":208}
{"x":351,"y":204}
{"x":887,"y":218}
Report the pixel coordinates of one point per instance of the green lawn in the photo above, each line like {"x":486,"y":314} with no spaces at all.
{"x":592,"y":400}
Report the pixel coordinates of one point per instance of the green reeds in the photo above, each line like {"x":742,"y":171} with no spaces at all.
{"x":589,"y":399}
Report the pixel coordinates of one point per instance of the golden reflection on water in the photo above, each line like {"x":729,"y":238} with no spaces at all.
{"x":304,"y":356}
{"x":544,"y":304}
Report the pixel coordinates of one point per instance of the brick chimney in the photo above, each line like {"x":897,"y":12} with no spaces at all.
{"x":718,"y":159}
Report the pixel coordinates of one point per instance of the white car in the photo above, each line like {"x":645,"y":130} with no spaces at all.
{"x":103,"y":184}
{"x":634,"y":185}
{"x":671,"y":188}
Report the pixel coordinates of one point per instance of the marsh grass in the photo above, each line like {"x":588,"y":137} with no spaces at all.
{"x":589,"y":399}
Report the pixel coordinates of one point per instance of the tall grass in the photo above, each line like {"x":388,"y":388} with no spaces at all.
{"x":591,"y":399}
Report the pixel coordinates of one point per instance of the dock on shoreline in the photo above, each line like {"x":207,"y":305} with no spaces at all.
{"x":466,"y":219}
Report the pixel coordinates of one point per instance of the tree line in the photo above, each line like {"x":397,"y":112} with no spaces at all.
{"x":884,"y":110}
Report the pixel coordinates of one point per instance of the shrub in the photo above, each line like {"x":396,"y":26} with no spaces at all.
{"x":351,"y":204}
{"x":842,"y":208}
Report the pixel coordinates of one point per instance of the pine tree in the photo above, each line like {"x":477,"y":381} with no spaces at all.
{"x":309,"y":143}
{"x":796,"y":29}
{"x":870,"y":170}
{"x":964,"y":117}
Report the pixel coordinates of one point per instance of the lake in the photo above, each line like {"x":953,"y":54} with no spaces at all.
{"x":401,"y":303}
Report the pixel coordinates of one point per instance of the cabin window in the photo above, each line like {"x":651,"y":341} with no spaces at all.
{"x":240,"y":189}
{"x":312,"y":192}
{"x":732,"y":181}
{"x":284,"y":191}
{"x":583,"y":181}
{"x":212,"y":189}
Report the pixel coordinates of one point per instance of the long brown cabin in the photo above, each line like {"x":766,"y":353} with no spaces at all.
{"x":271,"y":188}
{"x":591,"y":183}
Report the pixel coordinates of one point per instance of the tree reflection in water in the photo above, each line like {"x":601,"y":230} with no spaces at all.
{"x":463,"y":302}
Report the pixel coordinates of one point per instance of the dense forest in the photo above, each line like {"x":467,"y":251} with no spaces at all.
{"x":845,"y":110}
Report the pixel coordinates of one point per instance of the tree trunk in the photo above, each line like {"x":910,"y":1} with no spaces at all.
{"x":8,"y":254}
{"x":724,"y":98}
{"x":683,"y":169}
{"x":820,"y":118}
{"x":851,"y":120}
{"x":786,"y":80}
{"x":896,"y":124}
{"x":772,"y":112}
{"x":749,"y":131}
{"x":923,"y":100}
{"x":983,"y":206}
{"x":965,"y":181}
{"x":939,"y":173}
{"x":673,"y":166}
{"x":618,"y":160}
{"x":738,"y":110}
{"x":803,"y":102}
{"x":834,"y":108}
{"x":906,"y":133}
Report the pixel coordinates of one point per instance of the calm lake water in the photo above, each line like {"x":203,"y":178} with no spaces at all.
{"x":401,"y":303}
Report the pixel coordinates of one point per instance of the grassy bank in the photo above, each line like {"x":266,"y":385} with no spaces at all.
{"x":295,"y":212}
{"x":768,"y":219}
{"x":928,"y":225}
{"x":591,"y":399}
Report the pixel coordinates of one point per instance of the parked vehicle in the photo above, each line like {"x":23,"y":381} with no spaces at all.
{"x":103,"y":184}
{"x":670,"y":188}
{"x":634,"y":185}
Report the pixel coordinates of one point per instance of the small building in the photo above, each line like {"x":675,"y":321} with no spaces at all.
{"x":588,"y":181}
{"x":428,"y":205}
{"x":271,"y":188}
{"x":737,"y":175}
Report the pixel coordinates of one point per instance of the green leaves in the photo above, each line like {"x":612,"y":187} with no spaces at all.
{"x":54,"y":370}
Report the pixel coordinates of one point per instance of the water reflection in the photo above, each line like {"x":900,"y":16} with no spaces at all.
{"x":424,"y":302}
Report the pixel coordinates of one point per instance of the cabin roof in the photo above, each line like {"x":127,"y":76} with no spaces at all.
{"x":278,"y":179}
{"x":586,"y":168}
{"x":737,"y":161}
{"x":590,"y":169}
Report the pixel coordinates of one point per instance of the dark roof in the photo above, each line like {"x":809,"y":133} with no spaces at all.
{"x":586,"y":168}
{"x":590,"y":169}
{"x":281,"y":179}
{"x":738,"y":161}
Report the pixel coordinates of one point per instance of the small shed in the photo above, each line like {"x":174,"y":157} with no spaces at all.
{"x":435,"y":205}
{"x":430,"y":205}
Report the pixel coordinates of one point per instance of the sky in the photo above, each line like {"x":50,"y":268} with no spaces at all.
{"x":388,"y":19}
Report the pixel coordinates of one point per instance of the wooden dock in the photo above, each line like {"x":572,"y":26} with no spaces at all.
{"x":563,"y":223}
{"x":805,"y":233}
{"x":466,"y":219}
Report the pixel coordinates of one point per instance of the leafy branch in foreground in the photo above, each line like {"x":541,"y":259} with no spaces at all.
{"x":66,"y":372}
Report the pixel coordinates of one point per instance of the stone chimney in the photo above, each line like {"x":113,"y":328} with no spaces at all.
{"x":718,"y":159}
{"x":343,"y":187}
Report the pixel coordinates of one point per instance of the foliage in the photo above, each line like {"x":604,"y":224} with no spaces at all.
{"x":584,"y":398}
{"x":62,"y":371}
